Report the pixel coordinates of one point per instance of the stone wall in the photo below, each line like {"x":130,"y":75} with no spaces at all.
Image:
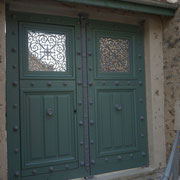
{"x":3,"y":145}
{"x":171,"y":49}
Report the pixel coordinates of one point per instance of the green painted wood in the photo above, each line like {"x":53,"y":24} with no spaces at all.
{"x":47,"y":139}
{"x":32,"y":130}
{"x":44,"y":142}
{"x":119,"y":136}
{"x":48,"y":145}
{"x":126,"y":6}
{"x":115,"y":128}
{"x":13,"y":124}
{"x":68,"y":31}
{"x":66,"y":127}
{"x":50,"y":126}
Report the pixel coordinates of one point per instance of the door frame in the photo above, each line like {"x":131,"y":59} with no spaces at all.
{"x":13,"y":127}
{"x":13,"y":88}
{"x":132,"y":81}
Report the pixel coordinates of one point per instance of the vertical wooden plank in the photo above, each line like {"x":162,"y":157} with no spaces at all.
{"x":35,"y":128}
{"x":105,"y":121}
{"x":13,"y":124}
{"x":79,"y":97}
{"x":140,"y":93}
{"x":117,"y":121}
{"x":65,"y":126}
{"x":50,"y":126}
{"x":127,"y":118}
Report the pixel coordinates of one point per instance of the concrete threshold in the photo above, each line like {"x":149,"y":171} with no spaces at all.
{"x":124,"y":174}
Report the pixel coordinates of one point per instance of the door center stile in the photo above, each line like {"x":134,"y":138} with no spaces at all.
{"x":83,"y":23}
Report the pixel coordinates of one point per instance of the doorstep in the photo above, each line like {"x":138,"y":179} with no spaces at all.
{"x":125,"y":174}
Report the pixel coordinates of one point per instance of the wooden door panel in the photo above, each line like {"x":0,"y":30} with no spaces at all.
{"x":47,"y":51}
{"x":111,"y":45}
{"x":48,"y":133}
{"x":115,"y":122}
{"x":43,"y":108}
{"x":118,"y":93}
{"x":59,"y":117}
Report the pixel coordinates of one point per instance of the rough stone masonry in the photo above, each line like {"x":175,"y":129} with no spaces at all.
{"x":3,"y":145}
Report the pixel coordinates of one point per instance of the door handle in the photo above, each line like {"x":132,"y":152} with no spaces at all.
{"x":49,"y":112}
{"x":118,"y":107}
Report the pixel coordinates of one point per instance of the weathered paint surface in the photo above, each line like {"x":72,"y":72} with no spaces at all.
{"x":3,"y":151}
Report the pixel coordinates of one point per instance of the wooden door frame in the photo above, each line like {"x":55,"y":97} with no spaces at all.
{"x":13,"y":86}
{"x":13,"y":110}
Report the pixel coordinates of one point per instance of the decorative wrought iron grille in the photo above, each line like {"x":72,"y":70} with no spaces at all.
{"x":46,"y":52}
{"x":114,"y":55}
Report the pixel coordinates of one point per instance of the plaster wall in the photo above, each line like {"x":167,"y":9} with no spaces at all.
{"x":3,"y":144}
{"x":171,"y":50}
{"x":153,"y":65}
{"x":155,"y":91}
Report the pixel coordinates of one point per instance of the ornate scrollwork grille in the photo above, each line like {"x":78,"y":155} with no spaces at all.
{"x":46,"y":52}
{"x":114,"y":55}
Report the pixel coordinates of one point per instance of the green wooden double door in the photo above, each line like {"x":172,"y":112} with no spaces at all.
{"x":75,"y":97}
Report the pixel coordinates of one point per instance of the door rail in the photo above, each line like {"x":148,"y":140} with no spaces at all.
{"x":172,"y":169}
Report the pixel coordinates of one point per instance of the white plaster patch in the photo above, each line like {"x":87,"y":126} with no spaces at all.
{"x":172,"y":1}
